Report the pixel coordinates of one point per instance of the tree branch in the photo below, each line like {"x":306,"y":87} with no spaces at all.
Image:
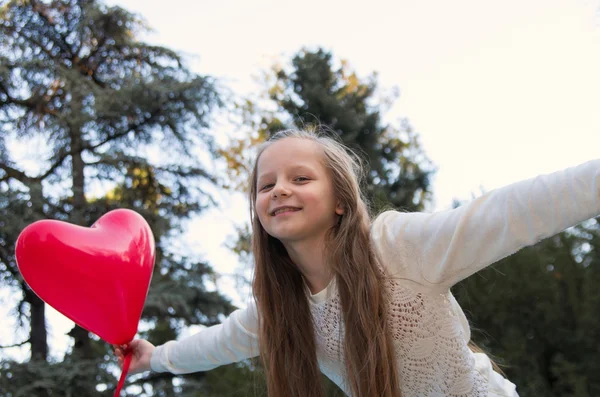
{"x":96,"y":50}
{"x":86,"y":60}
{"x":72,"y":53}
{"x":15,"y":345}
{"x":65,"y":153}
{"x":40,"y":9}
{"x":62,"y":155}
{"x":29,"y":103}
{"x":16,"y":174}
{"x":84,"y":69}
{"x":154,"y":376}
{"x":132,"y":127}
{"x":30,"y":40}
{"x":4,"y":256}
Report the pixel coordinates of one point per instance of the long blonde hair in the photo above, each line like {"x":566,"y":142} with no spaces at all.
{"x":286,"y":333}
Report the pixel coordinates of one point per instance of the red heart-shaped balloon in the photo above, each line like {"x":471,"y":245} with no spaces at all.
{"x":98,"y":276}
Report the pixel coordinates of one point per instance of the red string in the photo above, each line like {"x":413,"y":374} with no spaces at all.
{"x":126,"y":363}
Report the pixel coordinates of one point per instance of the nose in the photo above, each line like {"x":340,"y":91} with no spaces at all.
{"x":280,"y":190}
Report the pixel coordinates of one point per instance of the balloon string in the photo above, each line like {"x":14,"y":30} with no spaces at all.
{"x":126,"y":363}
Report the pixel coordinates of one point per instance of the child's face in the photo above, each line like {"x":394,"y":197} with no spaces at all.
{"x":291,"y":177}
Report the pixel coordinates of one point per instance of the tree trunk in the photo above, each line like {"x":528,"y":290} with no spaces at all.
{"x":82,"y":346}
{"x":38,"y":335}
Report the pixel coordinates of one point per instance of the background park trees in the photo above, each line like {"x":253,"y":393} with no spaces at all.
{"x":88,"y":104}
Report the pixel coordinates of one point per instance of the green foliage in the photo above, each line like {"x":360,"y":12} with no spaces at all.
{"x":312,"y":91}
{"x":316,"y":91}
{"x":537,"y":312}
{"x":41,"y":378}
{"x":87,"y":103}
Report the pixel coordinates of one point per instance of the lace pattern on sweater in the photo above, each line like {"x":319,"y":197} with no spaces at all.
{"x":433,"y":358}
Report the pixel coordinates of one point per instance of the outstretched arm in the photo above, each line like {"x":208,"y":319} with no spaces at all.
{"x":235,"y":339}
{"x":441,"y":249}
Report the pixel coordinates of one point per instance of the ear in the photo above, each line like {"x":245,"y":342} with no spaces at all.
{"x":338,"y":209}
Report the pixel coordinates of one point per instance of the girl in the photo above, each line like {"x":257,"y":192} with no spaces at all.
{"x":368,"y":303}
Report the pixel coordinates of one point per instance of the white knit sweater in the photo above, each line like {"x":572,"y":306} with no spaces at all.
{"x":427,"y":254}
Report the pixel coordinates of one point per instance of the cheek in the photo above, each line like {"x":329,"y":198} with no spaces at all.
{"x":328,"y":203}
{"x":261,"y":205}
{"x":317,"y":201}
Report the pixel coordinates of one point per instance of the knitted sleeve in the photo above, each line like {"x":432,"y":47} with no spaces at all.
{"x":233,"y":340}
{"x":443,"y":248}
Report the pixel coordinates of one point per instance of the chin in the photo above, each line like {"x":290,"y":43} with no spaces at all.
{"x":284,"y":236}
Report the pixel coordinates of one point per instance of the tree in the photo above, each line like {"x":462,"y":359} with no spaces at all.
{"x":90,"y":103}
{"x":312,"y":91}
{"x":537,"y":312}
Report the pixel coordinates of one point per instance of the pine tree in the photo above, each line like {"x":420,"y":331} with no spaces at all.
{"x":315,"y":90}
{"x":89,"y":105}
{"x":536,"y":312}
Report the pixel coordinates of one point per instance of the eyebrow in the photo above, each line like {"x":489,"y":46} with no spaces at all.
{"x":300,"y":167}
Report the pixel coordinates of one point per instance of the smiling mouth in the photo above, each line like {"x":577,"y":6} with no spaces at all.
{"x":284,"y":210}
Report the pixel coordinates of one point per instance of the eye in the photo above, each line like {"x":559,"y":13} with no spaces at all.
{"x":265,"y":187}
{"x":301,"y":179}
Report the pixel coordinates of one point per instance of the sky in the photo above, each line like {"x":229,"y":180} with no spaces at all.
{"x":497,"y":91}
